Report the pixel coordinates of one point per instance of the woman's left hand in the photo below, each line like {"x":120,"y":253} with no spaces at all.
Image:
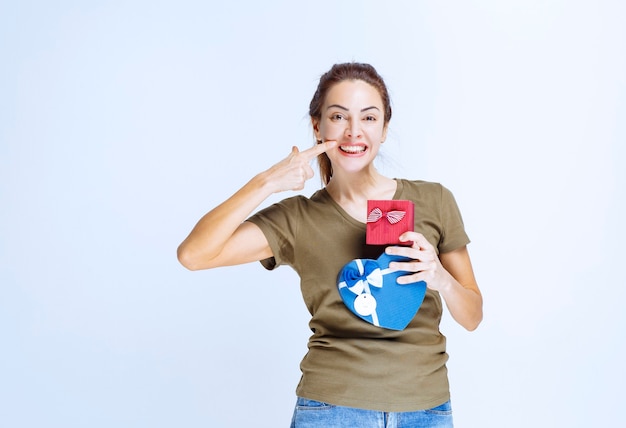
{"x":453,"y":278}
{"x":425,"y":263}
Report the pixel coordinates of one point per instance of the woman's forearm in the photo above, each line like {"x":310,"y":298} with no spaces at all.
{"x":464,"y":304}
{"x":214,"y":229}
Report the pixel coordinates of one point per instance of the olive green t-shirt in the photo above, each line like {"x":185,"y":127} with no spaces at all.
{"x":351,"y":362}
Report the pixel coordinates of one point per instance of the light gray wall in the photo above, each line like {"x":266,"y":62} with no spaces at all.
{"x":122,"y":123}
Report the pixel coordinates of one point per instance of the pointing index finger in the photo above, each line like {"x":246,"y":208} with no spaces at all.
{"x":318,"y":149}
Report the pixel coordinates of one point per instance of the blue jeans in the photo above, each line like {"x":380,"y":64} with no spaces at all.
{"x":314,"y":414}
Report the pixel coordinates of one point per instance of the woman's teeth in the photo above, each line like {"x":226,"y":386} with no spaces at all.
{"x":352,"y":149}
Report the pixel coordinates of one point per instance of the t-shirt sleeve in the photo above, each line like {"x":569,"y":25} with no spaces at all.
{"x":453,"y":234}
{"x":278,"y":224}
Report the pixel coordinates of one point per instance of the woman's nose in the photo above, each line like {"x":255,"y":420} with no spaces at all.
{"x":353,"y":129}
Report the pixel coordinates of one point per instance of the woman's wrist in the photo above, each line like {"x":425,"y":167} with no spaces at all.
{"x":262,"y":182}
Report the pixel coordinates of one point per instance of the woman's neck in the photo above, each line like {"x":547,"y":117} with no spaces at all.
{"x":358,"y":188}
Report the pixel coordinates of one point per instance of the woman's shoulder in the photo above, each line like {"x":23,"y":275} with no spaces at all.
{"x":292,"y":209}
{"x":420,"y":186}
{"x":428,"y":193}
{"x":302,"y":201}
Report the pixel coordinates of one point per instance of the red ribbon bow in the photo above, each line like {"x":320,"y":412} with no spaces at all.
{"x":393,"y":217}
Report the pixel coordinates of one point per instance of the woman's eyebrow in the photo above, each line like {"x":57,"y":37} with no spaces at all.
{"x":345,"y":109}
{"x":370,"y":108}
{"x":336,"y":106}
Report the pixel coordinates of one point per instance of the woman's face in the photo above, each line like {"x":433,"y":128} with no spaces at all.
{"x":352,"y":115}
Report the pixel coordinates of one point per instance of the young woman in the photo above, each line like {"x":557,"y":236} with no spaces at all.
{"x":355,"y":373}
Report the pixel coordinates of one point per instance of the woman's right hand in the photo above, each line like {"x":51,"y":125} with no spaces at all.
{"x":292,"y":172}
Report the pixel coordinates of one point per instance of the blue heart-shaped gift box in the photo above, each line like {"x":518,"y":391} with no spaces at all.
{"x":371,"y":291}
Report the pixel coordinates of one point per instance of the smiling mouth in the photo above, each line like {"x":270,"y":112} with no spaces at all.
{"x":353,"y":149}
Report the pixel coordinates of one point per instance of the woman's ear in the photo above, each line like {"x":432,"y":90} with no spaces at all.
{"x":315,"y":124}
{"x":385,"y":132}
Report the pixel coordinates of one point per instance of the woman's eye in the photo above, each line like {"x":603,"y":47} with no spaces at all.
{"x":370,"y":118}
{"x":336,"y":117}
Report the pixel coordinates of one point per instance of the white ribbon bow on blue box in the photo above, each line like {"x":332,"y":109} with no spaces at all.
{"x":370,"y":290}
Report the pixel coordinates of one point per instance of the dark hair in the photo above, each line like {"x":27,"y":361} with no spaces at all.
{"x":337,"y":74}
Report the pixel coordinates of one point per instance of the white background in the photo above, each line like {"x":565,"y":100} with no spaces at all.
{"x":122,"y":122}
